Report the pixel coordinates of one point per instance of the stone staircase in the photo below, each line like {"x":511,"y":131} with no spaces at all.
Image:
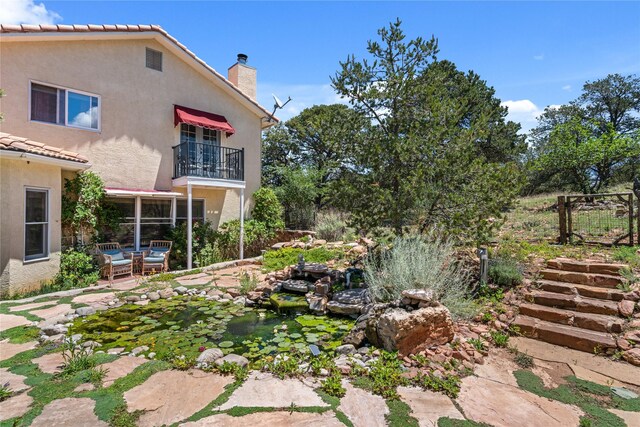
{"x":576,"y":304}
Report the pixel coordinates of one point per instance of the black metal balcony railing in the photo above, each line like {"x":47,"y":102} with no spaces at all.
{"x":208,"y":161}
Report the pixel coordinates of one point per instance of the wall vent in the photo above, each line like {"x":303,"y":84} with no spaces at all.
{"x":154,"y":59}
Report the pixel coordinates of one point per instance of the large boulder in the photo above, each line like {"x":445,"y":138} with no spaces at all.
{"x":345,"y":309}
{"x":410,"y":332}
{"x":301,"y":286}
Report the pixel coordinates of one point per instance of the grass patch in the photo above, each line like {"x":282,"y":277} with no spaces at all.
{"x":400,"y":414}
{"x":334,"y":402}
{"x":281,"y":258}
{"x":167,"y":277}
{"x":222,"y":398}
{"x":20,"y":334}
{"x":592,"y":398}
{"x":627,"y":255}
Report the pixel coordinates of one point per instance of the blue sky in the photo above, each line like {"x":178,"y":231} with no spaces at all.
{"x":535,"y":54}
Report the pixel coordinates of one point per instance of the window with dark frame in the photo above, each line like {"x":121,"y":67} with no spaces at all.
{"x":197,"y":211}
{"x":36,"y":224}
{"x":154,"y":59}
{"x":65,"y":107}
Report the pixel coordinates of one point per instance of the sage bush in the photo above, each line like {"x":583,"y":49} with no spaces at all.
{"x":420,"y":262}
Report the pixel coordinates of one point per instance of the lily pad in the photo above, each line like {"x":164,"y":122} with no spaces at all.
{"x":225,"y":344}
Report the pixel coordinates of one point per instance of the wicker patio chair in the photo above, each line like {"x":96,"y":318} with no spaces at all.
{"x":156,"y":258}
{"x":113,"y":260}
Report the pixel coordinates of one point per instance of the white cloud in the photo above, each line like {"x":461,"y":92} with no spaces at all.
{"x":26,"y":12}
{"x":566,"y":87}
{"x":86,"y":119}
{"x":302,"y":96}
{"x":539,"y":57}
{"x":525,"y":112}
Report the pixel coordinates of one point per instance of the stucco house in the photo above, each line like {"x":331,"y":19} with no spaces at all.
{"x":134,"y":105}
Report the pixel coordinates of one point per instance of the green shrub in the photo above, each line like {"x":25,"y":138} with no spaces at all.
{"x":5,"y":392}
{"x":257,"y":237}
{"x":333,"y":385}
{"x":77,"y":270}
{"x":505,"y":272}
{"x":281,"y":258}
{"x":208,"y":255}
{"x":248,"y":283}
{"x":76,"y":359}
{"x":268,"y":209}
{"x":330,"y":226}
{"x":499,"y":338}
{"x":202,"y":233}
{"x":297,"y":192}
{"x":419,"y":262}
{"x":523,"y":360}
{"x":628,"y":255}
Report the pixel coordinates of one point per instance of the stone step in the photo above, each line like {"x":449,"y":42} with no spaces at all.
{"x":568,"y":336}
{"x":582,"y":290}
{"x":567,"y":264}
{"x":574,"y":302}
{"x":594,"y":322}
{"x":590,"y":279}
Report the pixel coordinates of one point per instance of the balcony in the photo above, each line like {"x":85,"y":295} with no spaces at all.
{"x":203,"y":160}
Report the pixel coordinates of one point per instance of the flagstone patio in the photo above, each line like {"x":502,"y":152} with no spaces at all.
{"x":195,"y":398}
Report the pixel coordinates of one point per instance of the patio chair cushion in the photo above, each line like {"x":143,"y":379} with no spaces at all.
{"x":154,"y":259}
{"x":157,"y":254}
{"x":116,"y":254}
{"x":122,"y":262}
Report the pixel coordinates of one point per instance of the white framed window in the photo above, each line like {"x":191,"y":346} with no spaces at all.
{"x":36,"y":224}
{"x":63,"y":106}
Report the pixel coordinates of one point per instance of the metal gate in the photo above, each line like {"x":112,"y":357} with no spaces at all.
{"x":606,"y":219}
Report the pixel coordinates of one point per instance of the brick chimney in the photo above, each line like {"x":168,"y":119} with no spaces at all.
{"x":243,"y":76}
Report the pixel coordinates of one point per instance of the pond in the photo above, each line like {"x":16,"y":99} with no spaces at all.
{"x":184,"y":324}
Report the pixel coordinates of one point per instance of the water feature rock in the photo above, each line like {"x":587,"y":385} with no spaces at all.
{"x":153,"y":296}
{"x":301,"y":286}
{"x":318,"y":304}
{"x":417,"y":296}
{"x":411,"y":332}
{"x":51,"y":330}
{"x":233,"y":358}
{"x":346,"y":309}
{"x":132,"y":298}
{"x":210,"y":355}
{"x":352,"y":296}
{"x":181,"y":290}
{"x":85,"y":311}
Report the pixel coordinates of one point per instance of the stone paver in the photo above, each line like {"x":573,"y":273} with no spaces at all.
{"x":92,"y":298}
{"x":498,"y":367}
{"x":269,"y":419}
{"x":594,"y":377}
{"x":171,"y":396}
{"x":16,"y":382}
{"x":363,"y":408}
{"x":8,"y":350}
{"x":15,"y":406}
{"x":57,"y":310}
{"x":120,"y":368}
{"x":632,"y":419}
{"x":620,"y":371}
{"x":428,"y":406}
{"x":31,"y":306}
{"x":50,"y":363}
{"x":8,"y":321}
{"x":502,"y":405}
{"x":71,"y":412}
{"x":282,"y":393}
{"x":125,"y":285}
{"x":196,"y":279}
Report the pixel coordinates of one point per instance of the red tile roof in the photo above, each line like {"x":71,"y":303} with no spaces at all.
{"x":23,"y":28}
{"x":16,"y":143}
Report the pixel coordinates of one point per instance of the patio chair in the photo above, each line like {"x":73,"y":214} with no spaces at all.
{"x":156,"y":258}
{"x":113,"y":260}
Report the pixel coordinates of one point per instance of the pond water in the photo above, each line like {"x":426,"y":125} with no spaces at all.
{"x":184,"y":324}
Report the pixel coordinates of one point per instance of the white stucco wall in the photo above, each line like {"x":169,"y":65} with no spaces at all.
{"x":16,"y":275}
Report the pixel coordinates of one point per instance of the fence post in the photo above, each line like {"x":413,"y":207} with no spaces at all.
{"x":562,"y":217}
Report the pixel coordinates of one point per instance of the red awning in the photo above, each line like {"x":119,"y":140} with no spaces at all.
{"x":202,"y":119}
